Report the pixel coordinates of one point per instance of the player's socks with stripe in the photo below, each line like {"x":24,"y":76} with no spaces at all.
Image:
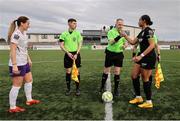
{"x":77,"y":87}
{"x":116,"y":85}
{"x":68,"y":83}
{"x":103,"y":82}
{"x":136,"y":85}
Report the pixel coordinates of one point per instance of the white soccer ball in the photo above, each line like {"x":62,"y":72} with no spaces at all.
{"x":107,"y":96}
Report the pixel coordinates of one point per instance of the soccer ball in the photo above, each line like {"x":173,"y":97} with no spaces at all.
{"x":107,"y":96}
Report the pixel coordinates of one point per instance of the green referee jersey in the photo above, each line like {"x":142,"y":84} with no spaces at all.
{"x":71,"y":40}
{"x":118,"y":46}
{"x":155,"y":40}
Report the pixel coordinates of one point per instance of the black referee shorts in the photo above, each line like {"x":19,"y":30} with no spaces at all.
{"x":68,"y":62}
{"x":113,"y":59}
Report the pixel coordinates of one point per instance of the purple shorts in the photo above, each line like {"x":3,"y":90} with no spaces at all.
{"x":23,"y":70}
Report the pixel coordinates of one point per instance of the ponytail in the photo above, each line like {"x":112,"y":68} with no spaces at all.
{"x":147,"y":19}
{"x":11,"y":30}
{"x":21,"y":19}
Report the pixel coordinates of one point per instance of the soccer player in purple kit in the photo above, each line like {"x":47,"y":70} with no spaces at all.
{"x":20,"y":63}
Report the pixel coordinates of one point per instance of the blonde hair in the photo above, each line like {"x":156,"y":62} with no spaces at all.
{"x":11,"y":30}
{"x":21,"y":19}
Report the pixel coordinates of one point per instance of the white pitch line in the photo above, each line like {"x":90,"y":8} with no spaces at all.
{"x":108,"y":106}
{"x":56,"y":61}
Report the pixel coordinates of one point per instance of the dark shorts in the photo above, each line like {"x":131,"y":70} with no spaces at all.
{"x":68,"y":62}
{"x":113,"y":59}
{"x":23,"y":70}
{"x":148,"y":62}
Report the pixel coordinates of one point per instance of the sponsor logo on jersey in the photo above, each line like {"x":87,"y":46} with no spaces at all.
{"x":16,"y":36}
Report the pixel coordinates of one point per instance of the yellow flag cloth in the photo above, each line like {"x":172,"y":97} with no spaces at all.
{"x":158,"y":76}
{"x":74,"y":74}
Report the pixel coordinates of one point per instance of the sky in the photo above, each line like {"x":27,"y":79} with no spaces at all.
{"x":50,"y":16}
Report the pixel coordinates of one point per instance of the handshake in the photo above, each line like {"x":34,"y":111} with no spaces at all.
{"x":122,"y":33}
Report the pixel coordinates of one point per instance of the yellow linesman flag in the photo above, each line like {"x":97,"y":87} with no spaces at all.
{"x":158,"y":76}
{"x":75,"y":72}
